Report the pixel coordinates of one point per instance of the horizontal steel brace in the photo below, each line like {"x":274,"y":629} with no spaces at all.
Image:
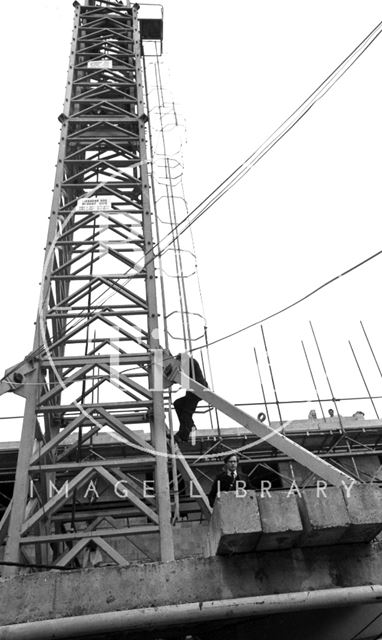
{"x":116,"y":512}
{"x":76,"y":361}
{"x":136,"y":462}
{"x":111,"y":276}
{"x":114,"y":161}
{"x":250,"y":457}
{"x":134,"y":312}
{"x":108,"y":118}
{"x":80,"y":535}
{"x":125,"y":183}
{"x":100,"y":405}
{"x":98,"y":340}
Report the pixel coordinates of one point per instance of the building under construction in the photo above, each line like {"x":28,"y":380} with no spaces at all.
{"x":106,"y":528}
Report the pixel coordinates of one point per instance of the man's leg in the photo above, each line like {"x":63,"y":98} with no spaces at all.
{"x":179,"y":408}
{"x":185,"y":426}
{"x":185,"y":408}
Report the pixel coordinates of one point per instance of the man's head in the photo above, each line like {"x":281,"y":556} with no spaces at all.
{"x":231,"y":462}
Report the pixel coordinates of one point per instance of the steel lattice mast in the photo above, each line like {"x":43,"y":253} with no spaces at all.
{"x":92,"y":359}
{"x":97,"y":332}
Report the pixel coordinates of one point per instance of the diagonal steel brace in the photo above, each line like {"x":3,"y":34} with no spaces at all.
{"x":306,"y":458}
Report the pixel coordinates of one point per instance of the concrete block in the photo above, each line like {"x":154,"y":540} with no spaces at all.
{"x":280,"y":520}
{"x":235,"y":524}
{"x":324,"y":516}
{"x":364,"y":506}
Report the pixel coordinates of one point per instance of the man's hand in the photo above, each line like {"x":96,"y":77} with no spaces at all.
{"x":172,"y":371}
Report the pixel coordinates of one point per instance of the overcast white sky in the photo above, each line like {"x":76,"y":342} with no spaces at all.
{"x":308,"y":211}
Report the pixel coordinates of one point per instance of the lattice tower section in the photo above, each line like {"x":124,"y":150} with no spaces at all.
{"x":92,"y":360}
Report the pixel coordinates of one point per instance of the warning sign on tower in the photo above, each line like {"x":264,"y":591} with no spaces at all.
{"x":101,"y":203}
{"x":100,"y":64}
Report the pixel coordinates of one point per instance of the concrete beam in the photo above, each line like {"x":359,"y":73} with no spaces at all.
{"x":329,"y":515}
{"x":56,"y":594}
{"x":195,"y":613}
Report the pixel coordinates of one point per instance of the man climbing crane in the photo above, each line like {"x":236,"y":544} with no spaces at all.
{"x":185,"y":407}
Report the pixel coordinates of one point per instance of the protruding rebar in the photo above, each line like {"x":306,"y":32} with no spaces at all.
{"x":371,"y":348}
{"x":271,"y":374}
{"x":334,"y":401}
{"x":363,"y":379}
{"x":313,"y":380}
{"x":262,"y":386}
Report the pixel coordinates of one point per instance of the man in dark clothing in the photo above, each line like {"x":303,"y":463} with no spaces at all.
{"x":230,"y":479}
{"x":186,"y":406}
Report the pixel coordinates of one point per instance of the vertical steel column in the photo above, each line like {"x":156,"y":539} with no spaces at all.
{"x":158,"y":429}
{"x":21,"y":486}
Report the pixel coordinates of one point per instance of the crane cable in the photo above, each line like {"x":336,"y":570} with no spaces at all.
{"x":261,"y":151}
{"x":280,"y":132}
{"x":296,"y":302}
{"x":170,"y":196}
{"x":172,"y":213}
{"x":248,"y":164}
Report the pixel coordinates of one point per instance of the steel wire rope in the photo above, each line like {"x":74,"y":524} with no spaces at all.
{"x":182,"y":197}
{"x":296,"y":302}
{"x":340,"y":71}
{"x":289,"y":123}
{"x":159,"y":82}
{"x":183,"y":298}
{"x":178,"y":264}
{"x":173,"y":219}
{"x":203,"y":308}
{"x":317,"y":94}
{"x":171,"y":206}
{"x":174,"y":469}
{"x":322,"y":89}
{"x":202,"y":304}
